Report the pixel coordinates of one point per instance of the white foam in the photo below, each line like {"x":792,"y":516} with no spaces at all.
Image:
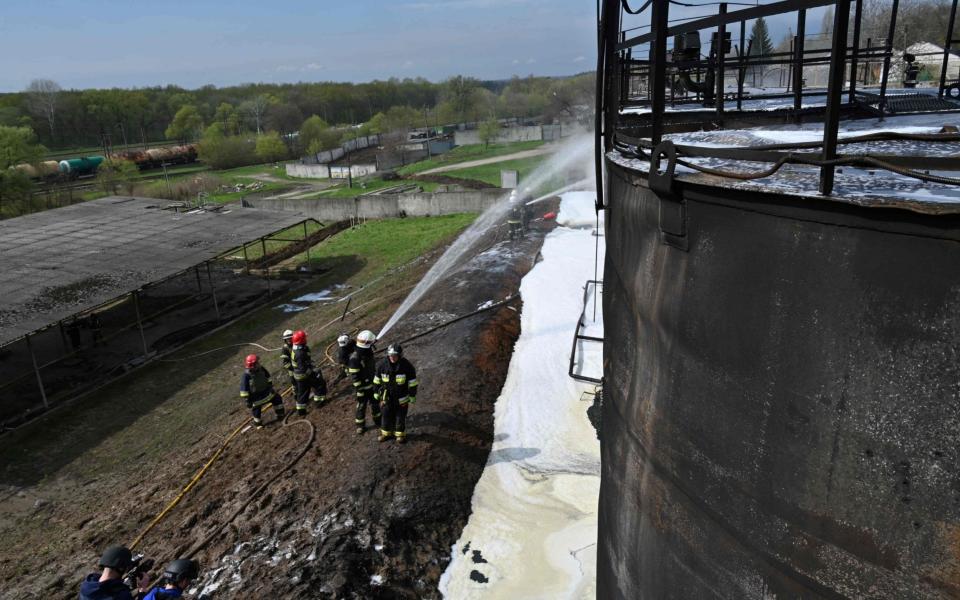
{"x":534,"y":519}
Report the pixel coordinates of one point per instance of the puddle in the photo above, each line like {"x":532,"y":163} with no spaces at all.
{"x":303,"y":302}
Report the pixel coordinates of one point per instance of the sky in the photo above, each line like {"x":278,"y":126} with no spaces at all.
{"x":112,"y":43}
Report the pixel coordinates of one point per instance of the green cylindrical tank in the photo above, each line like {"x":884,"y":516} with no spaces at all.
{"x":85,"y":165}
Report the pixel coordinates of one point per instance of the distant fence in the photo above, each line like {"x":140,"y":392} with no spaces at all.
{"x":328,"y":156}
{"x":523,"y":133}
{"x":329,"y":172}
{"x":383,"y":206}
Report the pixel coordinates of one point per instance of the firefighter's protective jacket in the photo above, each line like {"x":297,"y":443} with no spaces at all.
{"x":286,"y":358}
{"x":301,"y":362}
{"x":396,"y":381}
{"x":344,"y":352}
{"x":256,"y":387}
{"x":362,"y":367}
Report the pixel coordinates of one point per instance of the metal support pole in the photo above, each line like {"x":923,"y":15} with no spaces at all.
{"x":196,"y":270}
{"x":36,"y":369}
{"x":866,"y":67}
{"x":658,"y":65}
{"x":743,"y":64}
{"x":269,"y":286}
{"x":213,"y":292}
{"x":263,"y":247}
{"x":246,"y":261}
{"x":305,"y":243}
{"x":857,"y":17}
{"x":798,"y":60}
{"x":136,"y":307}
{"x":946,"y":47}
{"x":886,"y":57}
{"x":721,"y":53}
{"x":841,"y":20}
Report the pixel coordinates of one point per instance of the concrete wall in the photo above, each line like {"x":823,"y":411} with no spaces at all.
{"x":308,"y":171}
{"x":384,"y":206}
{"x":328,"y":172}
{"x":507,"y":134}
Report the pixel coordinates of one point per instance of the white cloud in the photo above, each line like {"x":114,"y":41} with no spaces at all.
{"x":530,"y":61}
{"x":407,"y":64}
{"x":516,"y":61}
{"x":580,"y":58}
{"x":293,"y":68}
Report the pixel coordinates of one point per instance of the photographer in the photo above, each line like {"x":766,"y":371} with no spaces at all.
{"x":109,"y":585}
{"x":176,"y":579}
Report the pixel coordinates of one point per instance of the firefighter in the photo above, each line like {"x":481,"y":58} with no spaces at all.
{"x":286,"y":355}
{"x":309,"y":384}
{"x":396,"y":382}
{"x":346,"y":348}
{"x":109,"y":584}
{"x":256,"y":389}
{"x":515,"y":222}
{"x":362,"y":367}
{"x":176,"y":579}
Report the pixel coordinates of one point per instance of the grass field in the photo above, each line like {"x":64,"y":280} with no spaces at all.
{"x":372,"y":184}
{"x":71,"y":442}
{"x":467,"y":153}
{"x":491,"y":173}
{"x":391,"y":242}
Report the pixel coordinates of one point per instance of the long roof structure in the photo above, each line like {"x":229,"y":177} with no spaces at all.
{"x":60,"y":262}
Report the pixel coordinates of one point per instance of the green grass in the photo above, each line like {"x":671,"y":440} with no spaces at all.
{"x":491,"y":173}
{"x":371,"y":186}
{"x":466,"y":153}
{"x":386,"y":244}
{"x":255,"y":249}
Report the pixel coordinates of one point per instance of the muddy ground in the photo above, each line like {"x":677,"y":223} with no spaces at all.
{"x":352,"y":518}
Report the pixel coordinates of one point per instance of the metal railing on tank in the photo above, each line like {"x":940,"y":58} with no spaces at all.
{"x":652,"y":76}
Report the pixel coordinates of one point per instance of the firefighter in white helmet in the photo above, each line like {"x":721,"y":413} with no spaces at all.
{"x":346,"y":346}
{"x":286,"y":354}
{"x":362,"y":366}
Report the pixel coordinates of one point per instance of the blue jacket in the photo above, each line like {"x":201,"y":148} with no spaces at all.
{"x":111,"y":589}
{"x":162,"y":594}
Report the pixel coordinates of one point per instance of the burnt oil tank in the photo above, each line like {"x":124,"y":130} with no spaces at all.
{"x":782,"y":397}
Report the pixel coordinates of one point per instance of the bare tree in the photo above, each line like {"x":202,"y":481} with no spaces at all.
{"x":42,"y":98}
{"x":258,"y":108}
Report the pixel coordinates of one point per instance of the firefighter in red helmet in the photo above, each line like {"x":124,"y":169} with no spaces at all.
{"x":256,"y":389}
{"x":309,"y":384}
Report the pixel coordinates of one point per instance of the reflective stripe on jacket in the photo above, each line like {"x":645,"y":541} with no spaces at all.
{"x":362,"y":367}
{"x":397,"y":380}
{"x":301,"y":362}
{"x":256,"y":385}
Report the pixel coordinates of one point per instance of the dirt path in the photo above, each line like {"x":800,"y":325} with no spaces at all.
{"x":352,"y":519}
{"x":487,"y":161}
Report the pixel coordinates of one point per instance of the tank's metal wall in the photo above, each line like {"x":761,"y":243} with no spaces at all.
{"x":782,"y":402}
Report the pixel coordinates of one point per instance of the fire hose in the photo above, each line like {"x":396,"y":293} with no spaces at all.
{"x":200,"y":473}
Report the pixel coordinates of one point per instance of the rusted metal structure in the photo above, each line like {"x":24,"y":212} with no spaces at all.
{"x":782,"y":306}
{"x":95,"y":289}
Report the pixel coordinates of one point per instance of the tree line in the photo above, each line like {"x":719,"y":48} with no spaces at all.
{"x":65,"y":119}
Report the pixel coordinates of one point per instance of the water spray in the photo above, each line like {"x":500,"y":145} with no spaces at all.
{"x":574,"y":151}
{"x":566,"y":188}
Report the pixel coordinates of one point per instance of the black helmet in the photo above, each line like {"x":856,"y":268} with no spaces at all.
{"x":117,"y":557}
{"x":182,"y":568}
{"x":395,"y":349}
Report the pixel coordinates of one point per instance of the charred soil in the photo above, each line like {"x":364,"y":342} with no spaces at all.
{"x":352,"y":518}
